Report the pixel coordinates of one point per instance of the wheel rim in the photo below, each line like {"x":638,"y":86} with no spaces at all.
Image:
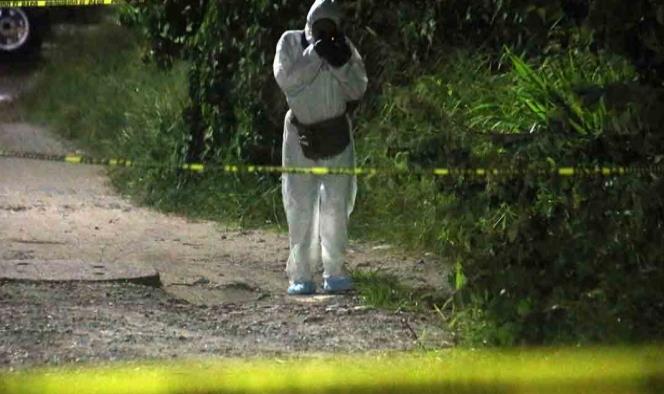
{"x":14,"y":28}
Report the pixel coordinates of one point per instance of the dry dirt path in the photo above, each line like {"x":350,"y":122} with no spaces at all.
{"x":223,"y":289}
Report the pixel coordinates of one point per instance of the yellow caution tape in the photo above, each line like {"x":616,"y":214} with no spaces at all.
{"x":566,"y":171}
{"x":594,"y":370}
{"x":73,"y":159}
{"x":353,"y":171}
{"x":57,"y":3}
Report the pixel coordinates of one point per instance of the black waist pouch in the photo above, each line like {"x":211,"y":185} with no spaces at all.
{"x":325,"y":139}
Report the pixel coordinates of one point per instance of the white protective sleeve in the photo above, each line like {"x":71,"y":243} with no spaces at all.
{"x":292,"y":70}
{"x":352,"y":76}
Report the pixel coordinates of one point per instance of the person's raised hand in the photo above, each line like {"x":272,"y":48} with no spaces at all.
{"x":341,"y":52}
{"x":325,"y":48}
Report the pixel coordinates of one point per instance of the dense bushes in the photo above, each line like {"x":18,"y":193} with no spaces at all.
{"x":237,"y":109}
{"x":538,"y":258}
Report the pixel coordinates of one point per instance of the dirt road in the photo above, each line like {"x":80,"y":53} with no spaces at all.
{"x":223,"y":289}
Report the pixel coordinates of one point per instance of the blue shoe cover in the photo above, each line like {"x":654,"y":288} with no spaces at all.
{"x":302,"y":288}
{"x":337,"y":284}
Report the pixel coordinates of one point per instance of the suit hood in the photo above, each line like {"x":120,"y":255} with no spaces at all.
{"x":322,"y":9}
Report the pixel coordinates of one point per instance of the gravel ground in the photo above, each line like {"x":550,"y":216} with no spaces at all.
{"x":52,"y":324}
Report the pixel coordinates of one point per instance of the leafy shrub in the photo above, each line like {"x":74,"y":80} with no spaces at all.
{"x":236,"y":108}
{"x":539,"y":258}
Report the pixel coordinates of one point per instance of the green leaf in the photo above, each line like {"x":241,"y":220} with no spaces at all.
{"x":459,"y":278}
{"x":524,"y":307}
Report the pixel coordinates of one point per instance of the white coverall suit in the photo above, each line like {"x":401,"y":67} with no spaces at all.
{"x":317,"y":207}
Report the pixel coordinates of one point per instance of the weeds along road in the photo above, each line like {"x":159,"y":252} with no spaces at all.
{"x":222,"y":293}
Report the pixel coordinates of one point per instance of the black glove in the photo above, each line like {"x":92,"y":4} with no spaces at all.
{"x":342,"y":53}
{"x":335,"y":50}
{"x":325,"y":48}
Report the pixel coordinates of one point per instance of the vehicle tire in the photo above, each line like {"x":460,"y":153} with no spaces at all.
{"x":20,"y":33}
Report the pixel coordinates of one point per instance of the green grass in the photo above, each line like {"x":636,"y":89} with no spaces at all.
{"x":386,"y":291}
{"x":96,"y":90}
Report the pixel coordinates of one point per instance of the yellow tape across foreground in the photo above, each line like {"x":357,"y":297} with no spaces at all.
{"x":602,"y":171}
{"x":598,"y":370}
{"x":57,"y":3}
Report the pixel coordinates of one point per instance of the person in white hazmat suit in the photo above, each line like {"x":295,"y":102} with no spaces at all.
{"x":320,"y":71}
